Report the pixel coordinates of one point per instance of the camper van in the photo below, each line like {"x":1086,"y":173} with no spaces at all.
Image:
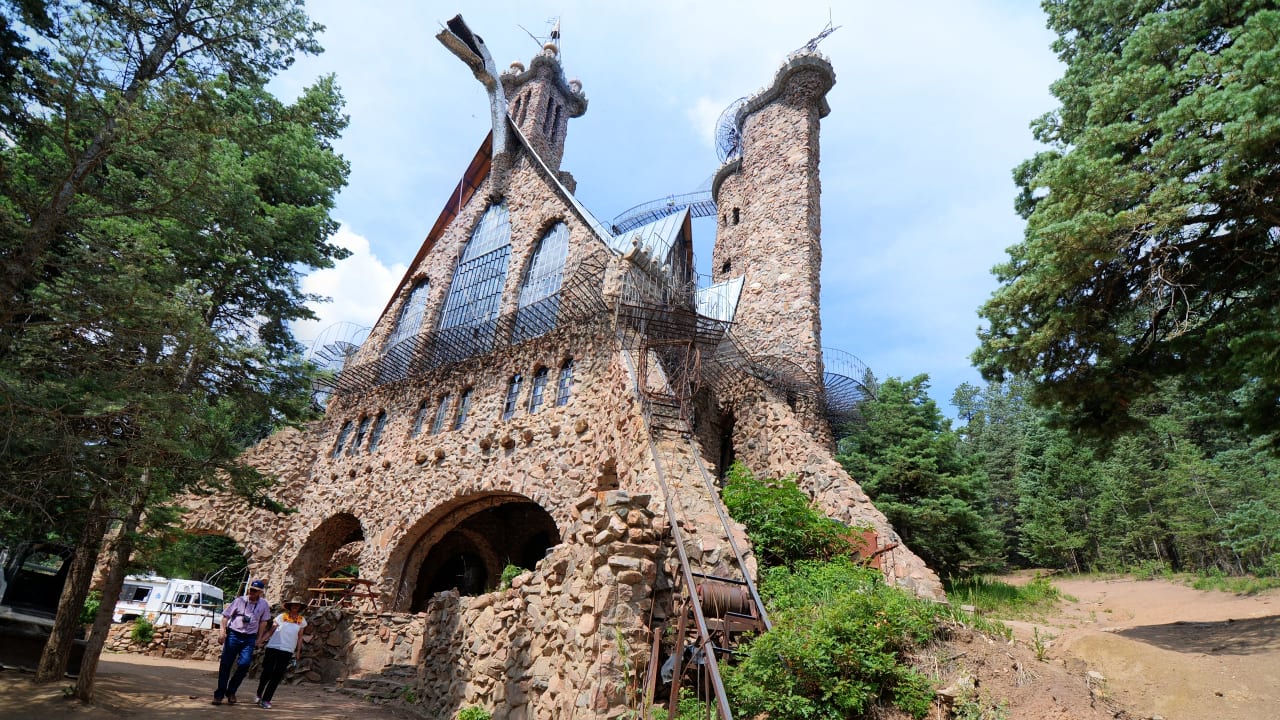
{"x":165,"y":601}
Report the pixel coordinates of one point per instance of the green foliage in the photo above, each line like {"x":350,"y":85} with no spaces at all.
{"x":836,"y":648}
{"x":909,"y":461}
{"x":688,"y":708}
{"x":179,"y":554}
{"x":780,"y":519}
{"x":994,"y":597}
{"x":1150,"y":249}
{"x":91,"y":605}
{"x":508,"y":574}
{"x":143,"y":631}
{"x":1178,"y":492}
{"x":1247,"y":585}
{"x":474,"y":713}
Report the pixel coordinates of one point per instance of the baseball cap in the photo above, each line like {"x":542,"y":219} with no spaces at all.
{"x":258,"y":584}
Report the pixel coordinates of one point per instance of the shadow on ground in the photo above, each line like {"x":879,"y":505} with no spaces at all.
{"x":1229,"y":637}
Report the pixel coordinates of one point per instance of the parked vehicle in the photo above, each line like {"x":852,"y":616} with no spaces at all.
{"x":169,"y":601}
{"x":31,"y":578}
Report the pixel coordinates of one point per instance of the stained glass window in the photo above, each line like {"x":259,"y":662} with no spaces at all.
{"x":402,"y":341}
{"x":540,"y":293}
{"x":470,"y":314}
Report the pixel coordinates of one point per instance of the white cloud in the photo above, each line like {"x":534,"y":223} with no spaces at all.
{"x":358,"y":288}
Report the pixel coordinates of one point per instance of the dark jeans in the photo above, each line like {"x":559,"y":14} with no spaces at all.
{"x":236,"y":651}
{"x":273,"y":666}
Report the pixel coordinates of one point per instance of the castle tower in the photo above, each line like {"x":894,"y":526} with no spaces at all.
{"x":769,"y":226}
{"x":540,"y":102}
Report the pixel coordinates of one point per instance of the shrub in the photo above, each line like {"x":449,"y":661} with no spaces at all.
{"x":509,"y":573}
{"x":91,"y":604}
{"x":474,"y":713}
{"x":142,"y":631}
{"x":836,"y":649}
{"x":783,"y":524}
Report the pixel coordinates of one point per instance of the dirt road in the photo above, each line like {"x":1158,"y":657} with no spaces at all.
{"x":1168,"y":650}
{"x":135,"y":687}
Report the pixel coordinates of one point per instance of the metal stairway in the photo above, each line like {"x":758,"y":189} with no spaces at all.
{"x":716,"y":598}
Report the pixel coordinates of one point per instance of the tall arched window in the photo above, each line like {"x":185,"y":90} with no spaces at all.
{"x":470,"y":313}
{"x":402,"y":341}
{"x":540,"y":292}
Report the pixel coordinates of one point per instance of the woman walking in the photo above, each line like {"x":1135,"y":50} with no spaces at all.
{"x":284,"y":642}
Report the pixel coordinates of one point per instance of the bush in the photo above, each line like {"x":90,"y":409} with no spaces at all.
{"x":474,"y":713}
{"x":509,"y":573}
{"x":836,"y":649}
{"x":91,"y":604}
{"x":142,"y":631}
{"x":783,"y":524}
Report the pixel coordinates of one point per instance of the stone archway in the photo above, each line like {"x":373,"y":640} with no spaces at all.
{"x":465,"y":544}
{"x":333,"y":545}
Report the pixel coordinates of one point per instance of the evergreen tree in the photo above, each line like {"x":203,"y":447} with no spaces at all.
{"x":1151,"y":248}
{"x":163,"y":206}
{"x":907,"y":458}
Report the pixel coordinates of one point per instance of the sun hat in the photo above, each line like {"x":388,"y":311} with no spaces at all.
{"x":258,"y":584}
{"x":295,"y":600}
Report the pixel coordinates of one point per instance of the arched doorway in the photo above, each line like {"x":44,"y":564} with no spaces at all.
{"x":464,"y":546}
{"x":332,"y":548}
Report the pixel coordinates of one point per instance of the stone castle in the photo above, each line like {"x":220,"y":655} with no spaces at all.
{"x":552,"y":392}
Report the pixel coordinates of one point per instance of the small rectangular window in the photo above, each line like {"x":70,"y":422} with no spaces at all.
{"x":537,"y":389}
{"x":442,"y":411}
{"x":565,"y":384}
{"x":342,"y":438}
{"x":361,"y":429}
{"x":378,"y":426}
{"x":464,"y":405}
{"x":513,"y":396}
{"x":419,"y":417}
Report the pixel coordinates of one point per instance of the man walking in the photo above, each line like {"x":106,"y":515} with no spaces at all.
{"x":244,"y":624}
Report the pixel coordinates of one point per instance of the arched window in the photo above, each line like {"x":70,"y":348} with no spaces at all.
{"x":441,"y":411}
{"x":513,"y":396}
{"x":419,"y":417}
{"x":402,"y":341}
{"x":564,"y":386}
{"x":540,"y":292}
{"x":464,"y":405}
{"x":470,"y":313}
{"x":361,"y":429}
{"x":342,"y":438}
{"x":537,"y":389}
{"x":379,"y":424}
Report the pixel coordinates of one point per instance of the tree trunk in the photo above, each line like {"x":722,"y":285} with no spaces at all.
{"x":117,"y":560}
{"x":57,"y":649}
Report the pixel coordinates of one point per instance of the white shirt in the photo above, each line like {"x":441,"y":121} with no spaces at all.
{"x":285,"y":636}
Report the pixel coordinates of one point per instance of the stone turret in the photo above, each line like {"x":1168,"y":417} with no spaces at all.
{"x":769,"y":225}
{"x":540,"y":101}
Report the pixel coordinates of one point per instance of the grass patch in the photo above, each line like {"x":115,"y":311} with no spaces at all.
{"x":1238,"y":584}
{"x":994,"y":597}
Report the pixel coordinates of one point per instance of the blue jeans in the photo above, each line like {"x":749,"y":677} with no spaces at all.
{"x":237,"y":651}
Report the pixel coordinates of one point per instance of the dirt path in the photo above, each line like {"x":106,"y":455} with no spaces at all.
{"x":135,"y":687}
{"x":1168,"y":650}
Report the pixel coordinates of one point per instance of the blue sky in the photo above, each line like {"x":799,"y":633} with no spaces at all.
{"x":929,"y":115}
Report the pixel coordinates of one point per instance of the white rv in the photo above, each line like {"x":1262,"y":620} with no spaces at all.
{"x":165,"y":601}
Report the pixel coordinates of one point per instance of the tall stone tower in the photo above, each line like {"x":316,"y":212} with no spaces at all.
{"x":769,"y":226}
{"x":540,"y":102}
